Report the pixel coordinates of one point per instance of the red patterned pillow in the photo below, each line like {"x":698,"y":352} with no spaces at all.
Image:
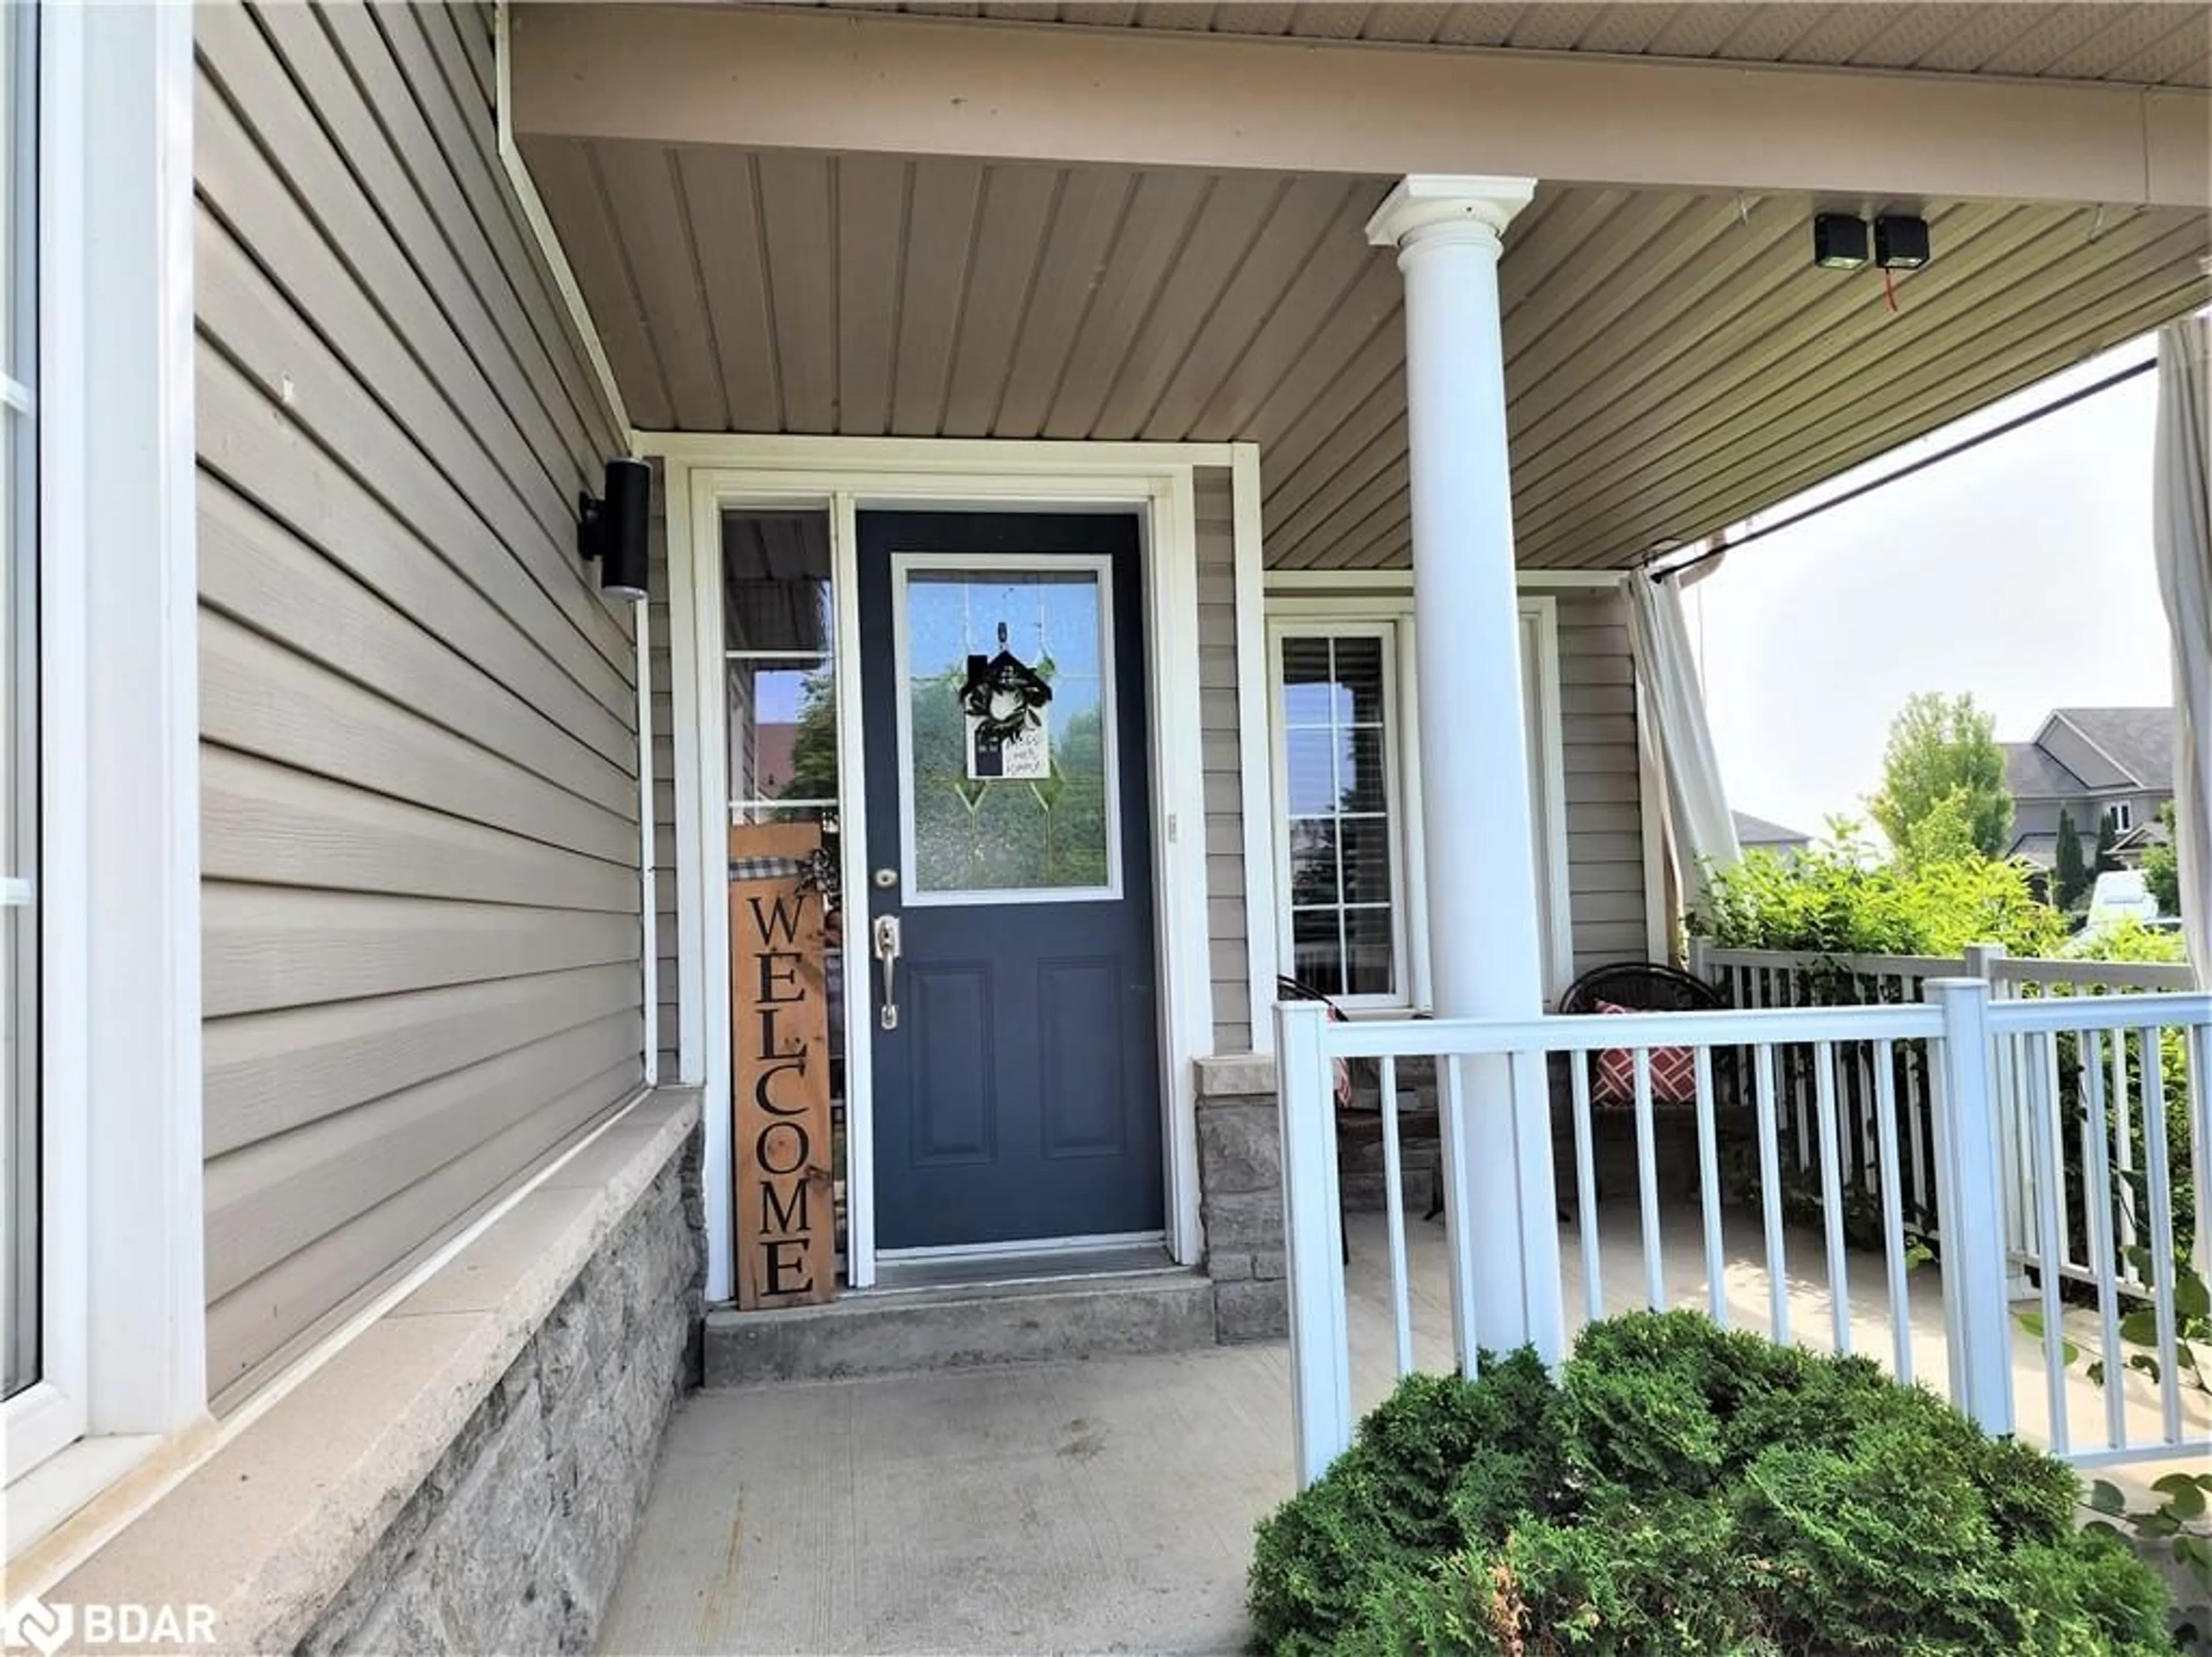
{"x":1674,"y":1072}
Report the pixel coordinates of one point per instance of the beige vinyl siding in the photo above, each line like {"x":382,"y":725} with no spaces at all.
{"x":418,"y":718}
{"x":1229,"y":962}
{"x":1597,"y":740}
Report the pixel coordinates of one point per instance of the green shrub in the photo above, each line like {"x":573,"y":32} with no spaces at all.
{"x":1838,"y":898}
{"x":1684,"y":1490}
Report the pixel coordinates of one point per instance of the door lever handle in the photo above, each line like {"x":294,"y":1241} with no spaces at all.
{"x":887,"y":952}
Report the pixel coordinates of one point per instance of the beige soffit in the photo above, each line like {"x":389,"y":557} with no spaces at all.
{"x":1674,"y":362}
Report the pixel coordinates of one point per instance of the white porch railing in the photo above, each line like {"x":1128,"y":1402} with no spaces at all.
{"x":1949,"y":1041}
{"x":1764,"y":978}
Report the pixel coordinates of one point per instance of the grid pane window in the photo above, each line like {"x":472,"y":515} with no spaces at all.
{"x":1342,"y":834}
{"x":19,"y":707}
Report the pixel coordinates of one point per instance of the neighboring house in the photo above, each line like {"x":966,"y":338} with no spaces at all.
{"x":1757,"y":834}
{"x":2090,"y":764}
{"x":369,"y":1035}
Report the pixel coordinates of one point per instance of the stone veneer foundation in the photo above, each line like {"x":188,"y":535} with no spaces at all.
{"x":513,"y":1542}
{"x":1240,"y":1170}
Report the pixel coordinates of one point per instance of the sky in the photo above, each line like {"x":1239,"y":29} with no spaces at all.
{"x":2021,"y":571}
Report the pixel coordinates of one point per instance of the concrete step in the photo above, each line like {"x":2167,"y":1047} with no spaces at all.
{"x":903,"y":1332}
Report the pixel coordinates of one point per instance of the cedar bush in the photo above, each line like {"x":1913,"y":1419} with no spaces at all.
{"x":1684,"y":1490}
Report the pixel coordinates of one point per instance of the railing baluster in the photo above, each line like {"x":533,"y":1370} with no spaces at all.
{"x":1708,"y":1188}
{"x":1394,"y":1193}
{"x":1647,"y":1182}
{"x":2046,"y":1078}
{"x":1769,"y":1195}
{"x":2197,"y":1049}
{"x":2159,"y":1171}
{"x":1865,"y":1144}
{"x":1586,"y":1187}
{"x":2045,"y":1145}
{"x":2125,"y":1142}
{"x":2097,"y":1214}
{"x":1831,"y":1190}
{"x":1798,"y":994}
{"x":1892,"y":1208}
{"x":1918,"y":1101}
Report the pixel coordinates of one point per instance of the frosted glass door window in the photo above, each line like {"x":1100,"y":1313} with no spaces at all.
{"x":988,"y":837}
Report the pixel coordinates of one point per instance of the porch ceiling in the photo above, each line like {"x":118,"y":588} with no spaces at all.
{"x":2167,"y":44}
{"x":1674,"y":362}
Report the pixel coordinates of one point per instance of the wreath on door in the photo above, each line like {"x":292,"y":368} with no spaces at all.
{"x":1004,"y":695}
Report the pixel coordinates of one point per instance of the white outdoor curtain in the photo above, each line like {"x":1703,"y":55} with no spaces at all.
{"x":1674,"y":703}
{"x":2182,"y":527}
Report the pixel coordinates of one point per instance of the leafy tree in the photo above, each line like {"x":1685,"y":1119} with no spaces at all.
{"x":1945,"y":835}
{"x":1939,"y":745}
{"x":2107,"y":832}
{"x":814,"y":747}
{"x":2162,"y":866}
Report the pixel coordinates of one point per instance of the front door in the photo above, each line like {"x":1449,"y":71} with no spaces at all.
{"x":1015,"y":1072}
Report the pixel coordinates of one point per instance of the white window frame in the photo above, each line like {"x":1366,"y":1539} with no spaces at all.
{"x":122,"y":1324}
{"x":2124,"y":815}
{"x":1352,"y":612}
{"x":1395,"y":632}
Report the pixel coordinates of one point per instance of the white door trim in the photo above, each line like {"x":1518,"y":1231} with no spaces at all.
{"x":843,"y":476}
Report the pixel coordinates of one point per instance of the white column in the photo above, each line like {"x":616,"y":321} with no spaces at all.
{"x":1484,"y":936}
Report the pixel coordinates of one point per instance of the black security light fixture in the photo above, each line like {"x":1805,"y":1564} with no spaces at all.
{"x":1839,"y":241}
{"x":611,"y":529}
{"x":1901,"y":242}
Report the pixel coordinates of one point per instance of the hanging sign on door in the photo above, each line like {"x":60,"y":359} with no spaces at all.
{"x":1003,"y":701}
{"x":779,"y":1065}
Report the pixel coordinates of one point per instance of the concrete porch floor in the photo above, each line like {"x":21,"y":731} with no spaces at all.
{"x":1108,"y":1506}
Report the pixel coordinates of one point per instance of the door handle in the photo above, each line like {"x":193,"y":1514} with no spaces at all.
{"x":887,"y":952}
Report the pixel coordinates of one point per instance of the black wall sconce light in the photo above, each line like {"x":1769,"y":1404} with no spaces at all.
{"x":1901,"y":242}
{"x":1839,"y":241}
{"x":612,"y":528}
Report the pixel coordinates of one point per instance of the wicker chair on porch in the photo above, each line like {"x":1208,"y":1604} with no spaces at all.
{"x":1634,"y":987}
{"x":1356,"y":1125}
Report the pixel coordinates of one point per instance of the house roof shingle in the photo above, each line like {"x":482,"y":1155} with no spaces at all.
{"x":1757,"y":831}
{"x":2139,"y":740}
{"x":2031,"y":774}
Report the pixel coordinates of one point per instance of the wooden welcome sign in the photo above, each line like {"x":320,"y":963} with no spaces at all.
{"x":779,"y":1065}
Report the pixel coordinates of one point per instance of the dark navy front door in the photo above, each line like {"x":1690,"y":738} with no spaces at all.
{"x":1016,"y":1078}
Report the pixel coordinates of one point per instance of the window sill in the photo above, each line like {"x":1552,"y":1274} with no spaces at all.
{"x":90,"y":1476}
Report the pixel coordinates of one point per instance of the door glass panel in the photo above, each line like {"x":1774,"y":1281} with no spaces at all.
{"x":1007,"y":756}
{"x":777,"y":624}
{"x":779,"y":638}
